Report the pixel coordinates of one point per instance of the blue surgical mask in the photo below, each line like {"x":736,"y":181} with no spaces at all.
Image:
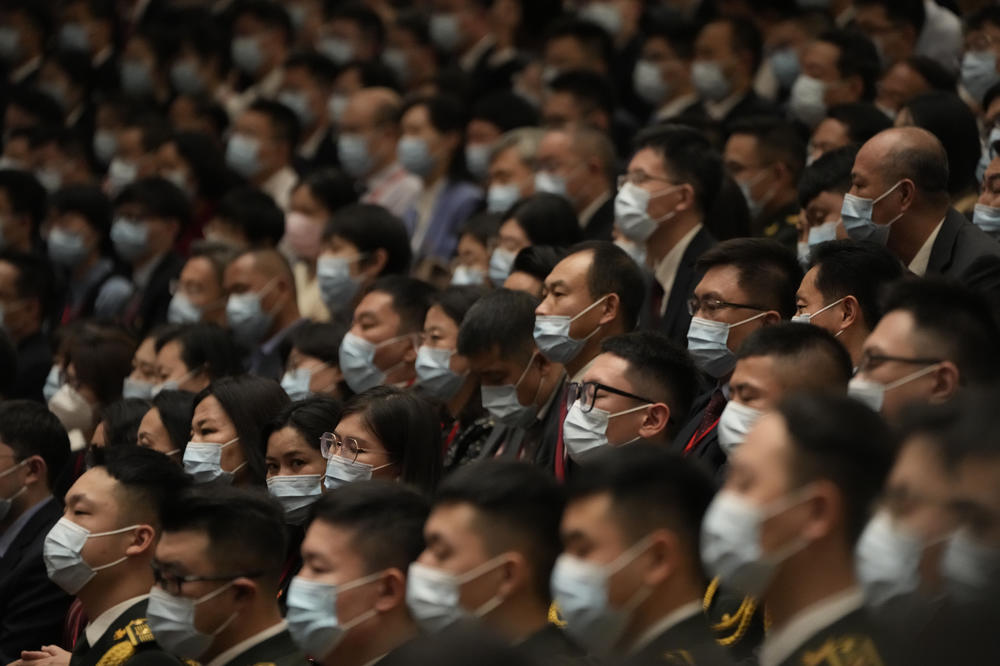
{"x":415,"y":155}
{"x":979,"y":73}
{"x":648,"y":83}
{"x":856,"y":214}
{"x":121,"y":174}
{"x":53,"y":382}
{"x":987,"y":218}
{"x":296,"y":383}
{"x":352,"y":149}
{"x":337,"y":287}
{"x":246,"y":318}
{"x":296,"y":493}
{"x":10,"y":44}
{"x":823,"y":233}
{"x":467,"y":275}
{"x":74,"y":37}
{"x":130,"y":238}
{"x":477,"y":160}
{"x":136,"y":388}
{"x":501,"y":262}
{"x":247,"y":54}
{"x":136,"y":78}
{"x":337,"y":49}
{"x":707,"y":344}
{"x":242,"y":155}
{"x":203,"y":461}
{"x":105,"y":144}
{"x":500,"y":198}
{"x":357,"y":362}
{"x":434,"y":372}
{"x":552,"y":335}
{"x":987,"y":154}
{"x":182,"y":311}
{"x":445,"y":31}
{"x":312,"y":614}
{"x":709,"y":81}
{"x":298,"y":102}
{"x":807,"y":99}
{"x":66,"y":248}
{"x":395,"y":59}
{"x":785,"y":65}
{"x":186,"y":78}
{"x":546,"y":181}
{"x":503,"y":404}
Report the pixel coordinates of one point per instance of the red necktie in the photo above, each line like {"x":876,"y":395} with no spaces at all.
{"x":709,"y":419}
{"x":560,"y":461}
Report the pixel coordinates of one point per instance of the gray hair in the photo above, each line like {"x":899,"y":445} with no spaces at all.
{"x":524,"y":139}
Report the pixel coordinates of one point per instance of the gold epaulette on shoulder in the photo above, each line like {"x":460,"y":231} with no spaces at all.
{"x":133,"y":635}
{"x":678,"y":657}
{"x":849,"y":649}
{"x":118,"y":654}
{"x":735,"y":625}
{"x":265,"y":663}
{"x":554,"y":617}
{"x":138,"y":632}
{"x":190,"y":662}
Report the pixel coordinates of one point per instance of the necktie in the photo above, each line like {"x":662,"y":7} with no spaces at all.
{"x":709,"y":419}
{"x":560,"y":457}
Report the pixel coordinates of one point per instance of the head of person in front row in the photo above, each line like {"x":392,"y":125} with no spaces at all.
{"x":347,"y":605}
{"x":166,"y":426}
{"x":217,"y":567}
{"x":192,"y":356}
{"x":630,"y":536}
{"x":492,"y":538}
{"x":935,"y":337}
{"x":34,"y":449}
{"x":638,"y":389}
{"x":313,"y":365}
{"x":797,"y":495}
{"x":227,"y":441}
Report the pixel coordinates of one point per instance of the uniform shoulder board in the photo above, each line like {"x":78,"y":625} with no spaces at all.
{"x":139,"y":633}
{"x":731,"y":626}
{"x":853,"y":649}
{"x":554,"y":616}
{"x":265,"y":663}
{"x":117,"y":654}
{"x":678,"y":658}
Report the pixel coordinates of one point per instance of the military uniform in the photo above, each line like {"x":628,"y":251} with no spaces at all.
{"x":782,"y":225}
{"x":688,"y":642}
{"x":276,"y":650}
{"x":737,"y":622}
{"x":128,"y":640}
{"x":551,"y":645}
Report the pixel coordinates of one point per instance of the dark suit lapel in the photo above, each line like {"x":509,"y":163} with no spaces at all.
{"x":944,"y":244}
{"x":43,"y":519}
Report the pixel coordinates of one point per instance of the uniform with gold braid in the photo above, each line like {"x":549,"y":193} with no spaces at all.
{"x":738,"y":622}
{"x":128,"y":640}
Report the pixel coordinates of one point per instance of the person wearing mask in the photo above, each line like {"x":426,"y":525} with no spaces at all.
{"x":430,"y":147}
{"x":88,"y":26}
{"x":305,"y":87}
{"x":492,"y":539}
{"x":217,"y":567}
{"x":34,"y":450}
{"x":191,"y":357}
{"x":846,"y":125}
{"x":28,"y":28}
{"x":261,"y":148}
{"x":773,"y":363}
{"x":475,"y":244}
{"x":25,"y":284}
{"x":979,"y":63}
{"x":747,"y":284}
{"x":579,"y":164}
{"x":530,"y":268}
{"x":541,"y":219}
{"x":23,"y":208}
{"x":662,"y":75}
{"x":197,"y":64}
{"x":821,"y":197}
{"x":671,"y":182}
{"x":261,"y":310}
{"x":350,"y":33}
{"x":911,"y":27}
{"x":261,"y":37}
{"x":766,"y":157}
{"x":366,"y":149}
{"x":247,"y":219}
{"x":137,"y":141}
{"x":469,"y":32}
{"x":986,"y":212}
{"x":581,"y":98}
{"x":140,"y":381}
{"x":841,"y":288}
{"x":101,"y":551}
{"x":198,"y":296}
{"x":492,"y":116}
{"x":633,"y":588}
{"x":520,"y":386}
{"x":798,"y":493}
{"x":910,"y":78}
{"x":313,"y":366}
{"x":227,"y":430}
{"x":638,"y":389}
{"x":384,"y":433}
{"x":932,"y":340}
{"x":511,"y":168}
{"x":167,"y":425}
{"x":347,"y":605}
{"x":380,"y":348}
{"x":142,"y":77}
{"x":149,"y":216}
{"x":838,"y":67}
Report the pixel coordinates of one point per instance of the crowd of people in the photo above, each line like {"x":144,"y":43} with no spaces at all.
{"x":499,"y":332}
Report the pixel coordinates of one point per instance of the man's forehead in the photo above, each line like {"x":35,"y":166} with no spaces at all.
{"x":610,"y":369}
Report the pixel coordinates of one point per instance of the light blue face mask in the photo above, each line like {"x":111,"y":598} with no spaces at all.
{"x":856,"y":214}
{"x":477,"y":160}
{"x":979,"y":73}
{"x":298,"y":102}
{"x":357,"y":362}
{"x":552,"y":335}
{"x":246,"y":318}
{"x":785,"y":65}
{"x":130,"y":238}
{"x":203,"y":461}
{"x":10,"y":44}
{"x":707,"y":344}
{"x":74,"y":37}
{"x":987,"y":154}
{"x":312,"y":614}
{"x":296,"y":493}
{"x":136,"y":388}
{"x":546,"y":181}
{"x":296,"y":383}
{"x":823,"y":233}
{"x":66,"y":248}
{"x":987,"y":218}
{"x":415,"y":155}
{"x":434,"y":372}
{"x":53,"y":382}
{"x":337,"y":49}
{"x":503,"y":404}
{"x":186,"y":78}
{"x":500,"y":198}
{"x":352,"y":149}
{"x":182,"y":311}
{"x":136,"y":79}
{"x":242,"y":155}
{"x":247,"y":55}
{"x":501,"y":262}
{"x":337,"y":287}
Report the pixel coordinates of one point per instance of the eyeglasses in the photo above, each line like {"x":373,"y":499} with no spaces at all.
{"x":712,"y":305}
{"x":586,"y":393}
{"x":172,"y":583}
{"x":640,"y":178}
{"x":871,"y":360}
{"x":330,"y":443}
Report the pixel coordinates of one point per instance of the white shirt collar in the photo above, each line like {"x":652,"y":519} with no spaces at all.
{"x":468,"y":61}
{"x":675,"y":106}
{"x":671,"y":619}
{"x":781,"y":643}
{"x":279,"y":186}
{"x":97,"y":627}
{"x":718,"y":110}
{"x":918,"y":266}
{"x":243,"y":646}
{"x":665,"y":270}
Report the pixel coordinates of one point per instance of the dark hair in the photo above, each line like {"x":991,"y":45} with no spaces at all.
{"x":89,"y":202}
{"x":504,"y":320}
{"x":446,"y":114}
{"x":590,"y":91}
{"x":768,"y":271}
{"x":855,"y":268}
{"x":30,"y":429}
{"x":410,"y":299}
{"x":102,"y":357}
{"x":547,"y":219}
{"x":505,"y":110}
{"x":836,"y":438}
{"x":204,"y":157}
{"x":679,"y":35}
{"x":219,"y":255}
{"x":538,"y":260}
{"x":931,"y":71}
{"x":284,"y":123}
{"x":271,"y":14}
{"x":245,"y":529}
{"x":952,"y":323}
{"x":34,"y":278}
{"x":612,"y":271}
{"x":317,"y":66}
{"x":255,"y":214}
{"x":206,"y":347}
{"x":519,"y":507}
{"x":729,"y":216}
{"x":369,"y":227}
{"x":310,"y":418}
{"x":863,"y":120}
{"x":688,"y":157}
{"x":149,"y":478}
{"x":777,"y":141}
{"x":121,"y":421}
{"x":830,"y":173}
{"x":175,"y":409}
{"x":368,"y":22}
{"x":320,"y":340}
{"x":332,"y":188}
{"x":821,"y":359}
{"x":947,"y":117}
{"x":8,"y":364}
{"x":250,"y":402}
{"x":456,"y":301}
{"x":745,"y":37}
{"x":483,"y":226}
{"x":408,"y":427}
{"x":158,"y":197}
{"x":973,"y":426}
{"x":856,"y":57}
{"x":650,"y":489}
{"x":663,"y":370}
{"x":386,"y":519}
{"x":910,"y":12}
{"x":593,"y":40}
{"x":26,"y":197}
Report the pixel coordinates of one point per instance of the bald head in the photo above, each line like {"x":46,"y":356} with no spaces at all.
{"x":379,"y":104}
{"x":907,"y":153}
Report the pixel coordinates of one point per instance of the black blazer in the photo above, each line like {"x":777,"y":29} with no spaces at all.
{"x":32,"y":608}
{"x":601,"y":223}
{"x":958,"y":246}
{"x":706,"y":451}
{"x":675,"y":320}
{"x":148,"y":308}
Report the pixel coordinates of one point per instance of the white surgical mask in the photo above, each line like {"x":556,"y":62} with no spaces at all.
{"x":337,"y":287}
{"x":887,"y":560}
{"x":586,"y":433}
{"x":53,"y":382}
{"x":734,"y":424}
{"x":806,"y":318}
{"x":203,"y":461}
{"x":500,"y":198}
{"x":501,"y":262}
{"x":312,"y":614}
{"x":62,"y":554}
{"x":352,"y":149}
{"x":503,"y":404}
{"x":434,"y":372}
{"x":130,"y":239}
{"x":433,"y":595}
{"x":296,"y":383}
{"x":415,"y":155}
{"x":856,"y":213}
{"x":243,"y":155}
{"x":357,"y":362}
{"x":246,"y":317}
{"x":172,"y":621}
{"x":296,"y":493}
{"x":979,"y":73}
{"x":648,"y":83}
{"x":632,"y":212}
{"x":971,"y":570}
{"x":467,"y":275}
{"x":341,"y":471}
{"x":72,"y":409}
{"x":552,"y":334}
{"x":823,"y":233}
{"x":709,"y":81}
{"x":136,"y":388}
{"x":987,"y":218}
{"x":872,"y":393}
{"x":182,"y":311}
{"x":707,"y":344}
{"x":548,"y":182}
{"x":806,"y":101}
{"x":477,"y":159}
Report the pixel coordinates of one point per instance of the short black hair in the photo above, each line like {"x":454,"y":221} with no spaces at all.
{"x":245,"y":529}
{"x":538,"y":260}
{"x":650,"y":488}
{"x":947,"y":117}
{"x":8,"y":364}
{"x":310,"y":417}
{"x":952,"y":323}
{"x":862,"y":269}
{"x":863,"y":120}
{"x":320,"y":340}
{"x":89,"y":202}
{"x":271,"y":14}
{"x":482,"y":226}
{"x":34,"y":278}
{"x":37,"y":104}
{"x":369,"y":227}
{"x":317,"y":66}
{"x":506,"y":110}
{"x":284,"y":122}
{"x":206,"y":347}
{"x":411,"y":298}
{"x":591,"y":91}
{"x":933,"y":72}
{"x":150,"y":479}
{"x":768,"y":271}
{"x":332,"y":188}
{"x":593,"y":39}
{"x":688,"y":157}
{"x":547,"y":219}
{"x":30,"y":429}
{"x":255,"y":214}
{"x":836,"y":438}
{"x":909,"y":12}
{"x":679,"y":34}
{"x":455,"y":301}
{"x":978,"y":19}
{"x":971,"y":432}
{"x":664,"y":370}
{"x":745,"y":37}
{"x":613,"y":271}
{"x":387,"y":520}
{"x":369,"y":22}
{"x":175,"y":409}
{"x":158,"y":197}
{"x":856,"y":57}
{"x":831,"y":172}
{"x":822,"y":360}
{"x":447,"y":114}
{"x":26,"y":196}
{"x":121,"y":421}
{"x":777,"y":141}
{"x":518,"y":507}
{"x":503,"y":320}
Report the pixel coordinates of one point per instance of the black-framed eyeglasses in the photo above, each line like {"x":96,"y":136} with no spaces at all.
{"x":871,"y":360}
{"x":332,"y":444}
{"x":586,"y":393}
{"x":713,"y":305}
{"x":172,"y":583}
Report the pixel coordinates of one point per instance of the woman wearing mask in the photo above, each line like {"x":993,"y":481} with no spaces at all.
{"x":314,"y":201}
{"x":166,"y":426}
{"x":227,"y":430}
{"x":432,"y":148}
{"x":385,"y":433}
{"x":541,"y":219}
{"x":189,"y":358}
{"x":313,"y":366}
{"x":119,"y":424}
{"x":478,"y":237}
{"x":143,"y":377}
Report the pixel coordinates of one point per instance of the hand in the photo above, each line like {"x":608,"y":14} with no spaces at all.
{"x":49,"y":655}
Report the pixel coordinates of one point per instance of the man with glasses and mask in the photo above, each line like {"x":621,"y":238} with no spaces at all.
{"x":492,"y":539}
{"x":217,"y":568}
{"x":935,"y":338}
{"x":747,"y":283}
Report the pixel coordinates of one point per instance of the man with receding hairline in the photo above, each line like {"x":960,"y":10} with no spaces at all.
{"x":261,"y":309}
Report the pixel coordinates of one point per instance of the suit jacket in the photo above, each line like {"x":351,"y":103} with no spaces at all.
{"x":752,"y":105}
{"x":148,"y":307}
{"x":601,"y":223}
{"x":128,"y":640}
{"x":278,"y":650}
{"x":690,"y":642}
{"x":34,"y":360}
{"x":32,"y":607}
{"x":705,"y":451}
{"x":535,"y":444}
{"x":453,"y":206}
{"x":964,"y":252}
{"x":676,"y":320}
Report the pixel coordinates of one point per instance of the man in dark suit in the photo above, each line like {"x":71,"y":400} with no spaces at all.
{"x":24,"y":294}
{"x":34,"y":449}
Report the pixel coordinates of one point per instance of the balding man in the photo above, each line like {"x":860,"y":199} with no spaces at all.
{"x":262,"y":310}
{"x":580,"y":165}
{"x":367,"y":150}
{"x":899,"y":198}
{"x":511,"y":171}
